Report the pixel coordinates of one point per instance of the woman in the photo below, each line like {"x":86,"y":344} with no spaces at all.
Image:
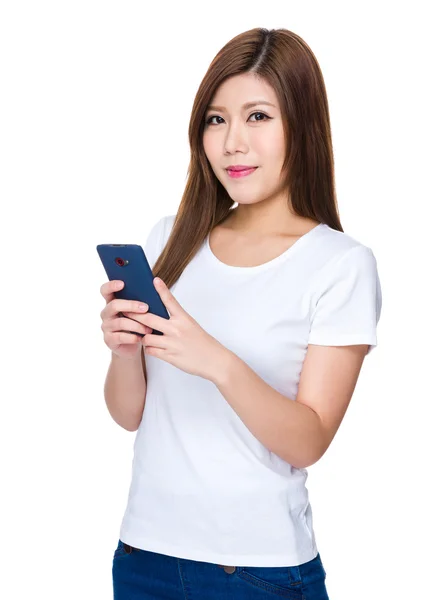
{"x":273,"y":309}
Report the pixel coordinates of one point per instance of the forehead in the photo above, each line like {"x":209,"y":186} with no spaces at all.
{"x":241,"y":89}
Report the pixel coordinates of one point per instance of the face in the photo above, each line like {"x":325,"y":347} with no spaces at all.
{"x":252,"y":136}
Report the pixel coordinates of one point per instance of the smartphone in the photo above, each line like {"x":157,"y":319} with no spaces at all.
{"x":128,"y":263}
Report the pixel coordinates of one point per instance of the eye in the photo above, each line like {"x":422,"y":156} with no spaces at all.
{"x":208,"y":122}
{"x":260,"y":113}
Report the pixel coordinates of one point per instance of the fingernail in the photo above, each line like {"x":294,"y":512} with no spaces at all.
{"x":143,"y":306}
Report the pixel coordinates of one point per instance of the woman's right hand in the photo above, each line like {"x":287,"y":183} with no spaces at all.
{"x":116,"y":326}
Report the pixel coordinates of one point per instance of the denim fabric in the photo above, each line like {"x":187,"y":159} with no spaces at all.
{"x":144,"y":575}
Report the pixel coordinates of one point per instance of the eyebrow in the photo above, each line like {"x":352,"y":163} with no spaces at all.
{"x":246,"y":105}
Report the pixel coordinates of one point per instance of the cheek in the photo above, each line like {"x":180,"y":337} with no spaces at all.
{"x":209,"y":148}
{"x":271,"y":148}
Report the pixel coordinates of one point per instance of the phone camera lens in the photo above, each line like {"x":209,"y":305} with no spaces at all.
{"x":121,"y":262}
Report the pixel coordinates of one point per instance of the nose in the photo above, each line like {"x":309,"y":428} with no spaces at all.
{"x":236,"y":139}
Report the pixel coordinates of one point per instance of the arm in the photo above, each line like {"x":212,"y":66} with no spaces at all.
{"x":125,"y":390}
{"x":298,"y":431}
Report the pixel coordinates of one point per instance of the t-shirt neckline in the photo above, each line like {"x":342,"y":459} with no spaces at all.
{"x":295,"y":247}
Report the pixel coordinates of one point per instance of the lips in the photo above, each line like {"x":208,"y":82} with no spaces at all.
{"x":244,"y":168}
{"x":237,"y":174}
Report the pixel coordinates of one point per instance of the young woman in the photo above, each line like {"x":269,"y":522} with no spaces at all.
{"x":273,"y":309}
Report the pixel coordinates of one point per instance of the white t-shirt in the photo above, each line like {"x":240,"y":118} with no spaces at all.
{"x":203,"y":487}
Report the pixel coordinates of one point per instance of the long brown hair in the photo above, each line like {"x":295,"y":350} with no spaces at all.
{"x":288,"y":64}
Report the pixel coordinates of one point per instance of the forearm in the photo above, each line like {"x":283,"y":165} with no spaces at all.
{"x":125,"y":391}
{"x":287,"y":428}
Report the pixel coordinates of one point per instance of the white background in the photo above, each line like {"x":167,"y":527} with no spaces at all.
{"x":95,"y":105}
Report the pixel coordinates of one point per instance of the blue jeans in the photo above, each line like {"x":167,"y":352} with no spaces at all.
{"x":144,"y":575}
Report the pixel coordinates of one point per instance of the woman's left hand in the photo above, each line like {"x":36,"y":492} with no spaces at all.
{"x":184,"y":344}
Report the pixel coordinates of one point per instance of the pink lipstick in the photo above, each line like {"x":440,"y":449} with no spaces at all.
{"x":235,"y":174}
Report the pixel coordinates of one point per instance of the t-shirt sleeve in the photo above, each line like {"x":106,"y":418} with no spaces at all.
{"x":153,"y":245}
{"x":347,"y":301}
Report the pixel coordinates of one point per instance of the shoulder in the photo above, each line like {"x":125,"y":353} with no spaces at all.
{"x":339,"y":261}
{"x":334,"y":247}
{"x":161,"y":229}
{"x":157,"y":237}
{"x":168,"y":222}
{"x":340,"y":242}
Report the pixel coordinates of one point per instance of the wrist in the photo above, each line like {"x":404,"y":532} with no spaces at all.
{"x":223,"y":366}
{"x":125,"y":359}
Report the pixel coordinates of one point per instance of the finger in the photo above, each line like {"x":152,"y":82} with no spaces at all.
{"x":153,"y":321}
{"x":156,"y":341}
{"x":169,"y":300}
{"x":112,"y":338}
{"x":108,"y":289}
{"x":123,"y":324}
{"x":144,"y":326}
{"x":118,"y":305}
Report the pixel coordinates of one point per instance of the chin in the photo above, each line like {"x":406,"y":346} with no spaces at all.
{"x":246,"y":202}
